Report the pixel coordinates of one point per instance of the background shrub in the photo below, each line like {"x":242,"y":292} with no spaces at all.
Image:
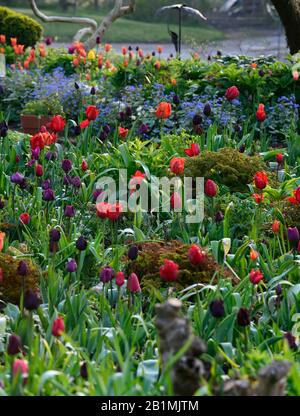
{"x":16,"y":25}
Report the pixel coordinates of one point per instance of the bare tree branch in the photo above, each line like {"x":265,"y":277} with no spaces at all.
{"x":49,"y":19}
{"x":119,"y":10}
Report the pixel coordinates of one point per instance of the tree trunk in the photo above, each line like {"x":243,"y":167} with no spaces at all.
{"x":289,"y":12}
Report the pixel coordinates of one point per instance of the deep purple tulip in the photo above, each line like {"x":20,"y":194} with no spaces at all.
{"x":71,"y":266}
{"x":14,"y":345}
{"x":207,"y":110}
{"x":197,"y":119}
{"x":36,"y":153}
{"x":143,"y":129}
{"x":76,"y":182}
{"x":291,"y":340}
{"x":69,"y":211}
{"x":22,"y":268}
{"x":17,"y":178}
{"x":216,"y":308}
{"x":31,"y":300}
{"x":2,"y":204}
{"x":293,"y":234}
{"x":103,"y":136}
{"x":81,"y":243}
{"x":106,"y":128}
{"x":106,"y":274}
{"x":66,"y":165}
{"x":243,"y":317}
{"x":48,"y":195}
{"x":54,"y":235}
{"x":98,"y":40}
{"x":176,"y":100}
{"x":51,"y":155}
{"x":219,"y":216}
{"x":84,"y":371}
{"x":93,"y":91}
{"x":133,"y":252}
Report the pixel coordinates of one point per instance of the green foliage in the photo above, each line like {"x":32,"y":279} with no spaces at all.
{"x":16,"y":25}
{"x":47,"y":106}
{"x":228,"y":166}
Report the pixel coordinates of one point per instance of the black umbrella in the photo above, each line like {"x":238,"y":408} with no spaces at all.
{"x":181,"y":8}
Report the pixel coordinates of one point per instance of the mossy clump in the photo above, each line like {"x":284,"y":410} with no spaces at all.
{"x":12,"y":284}
{"x":291,"y":214}
{"x":227,"y":166}
{"x":152,"y":255}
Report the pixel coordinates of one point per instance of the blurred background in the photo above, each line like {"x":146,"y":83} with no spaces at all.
{"x":234,"y":26}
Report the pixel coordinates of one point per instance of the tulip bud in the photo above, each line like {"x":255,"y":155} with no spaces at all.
{"x":120,"y":278}
{"x":106,"y":274}
{"x":133,"y":252}
{"x":71,"y":266}
{"x":243,"y":317}
{"x":216,"y":308}
{"x":31,"y":300}
{"x":133,"y":284}
{"x":14,"y":345}
{"x":84,"y":371}
{"x":22,"y":268}
{"x":58,"y":327}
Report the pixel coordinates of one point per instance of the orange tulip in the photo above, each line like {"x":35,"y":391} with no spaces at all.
{"x":107,"y":47}
{"x":13,"y":41}
{"x":2,"y":39}
{"x":157,"y":64}
{"x":2,"y":237}
{"x":174,"y":82}
{"x":163,"y":110}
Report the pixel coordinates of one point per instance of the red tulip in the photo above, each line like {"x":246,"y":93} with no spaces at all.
{"x":175,"y":201}
{"x":114,"y":211}
{"x":20,"y":367}
{"x":84,"y":165}
{"x":260,"y":180}
{"x":169,"y":271}
{"x":255,"y":276}
{"x":279,"y":158}
{"x":163,"y":110}
{"x":194,"y":150}
{"x":258,"y":198}
{"x":58,"y":327}
{"x":232,"y":93}
{"x":296,"y":198}
{"x":260,"y":113}
{"x":196,"y":255}
{"x":57,"y":123}
{"x":25,"y":218}
{"x":177,"y":165}
{"x":102,"y":209}
{"x":84,"y":124}
{"x":133,"y":284}
{"x":123,"y":132}
{"x":210,"y":188}
{"x":276,"y":226}
{"x":39,"y":170}
{"x":120,"y":278}
{"x":92,"y":112}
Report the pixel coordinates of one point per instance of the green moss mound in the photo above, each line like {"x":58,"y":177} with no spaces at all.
{"x":16,"y":25}
{"x":227,"y":166}
{"x":291,"y":213}
{"x":13,"y":284}
{"x":152,"y":255}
